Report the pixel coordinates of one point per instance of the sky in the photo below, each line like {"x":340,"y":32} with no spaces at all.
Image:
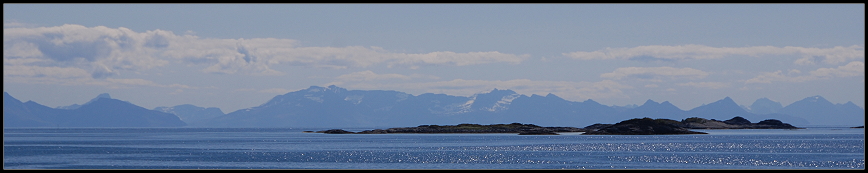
{"x":236,"y":56}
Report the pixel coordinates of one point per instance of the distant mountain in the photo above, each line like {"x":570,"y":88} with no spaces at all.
{"x":820,"y":111}
{"x":765,"y":106}
{"x":726,"y":108}
{"x":102,"y":111}
{"x":332,"y":106}
{"x":652,"y":109}
{"x":28,"y":114}
{"x":76,"y":106}
{"x":721,"y":110}
{"x":191,"y":114}
{"x":337,"y":107}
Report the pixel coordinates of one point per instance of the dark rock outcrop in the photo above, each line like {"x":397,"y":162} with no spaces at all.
{"x":734,"y":123}
{"x":596,"y":126}
{"x":644,"y":126}
{"x":737,"y":121}
{"x":335,"y":131}
{"x":522,"y":129}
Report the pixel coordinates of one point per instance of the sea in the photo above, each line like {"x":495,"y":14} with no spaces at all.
{"x":292,"y":148}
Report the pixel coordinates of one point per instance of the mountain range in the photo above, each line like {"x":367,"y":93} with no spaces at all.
{"x":337,"y":107}
{"x":102,"y":111}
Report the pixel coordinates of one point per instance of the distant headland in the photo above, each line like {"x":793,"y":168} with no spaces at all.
{"x":521,"y":129}
{"x":636,"y":126}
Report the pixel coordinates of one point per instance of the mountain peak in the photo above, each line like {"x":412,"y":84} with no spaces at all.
{"x":725,"y":101}
{"x":9,"y":97}
{"x":850,"y":103}
{"x":104,"y":95}
{"x":765,"y":99}
{"x":649,"y":102}
{"x":100,"y":96}
{"x":666,"y":103}
{"x":816,"y":98}
{"x":765,"y":106}
{"x":552,"y":95}
{"x":315,"y":89}
{"x":503,"y":92}
{"x":76,"y":106}
{"x":591,"y":101}
{"x":330,"y":88}
{"x":812,"y":100}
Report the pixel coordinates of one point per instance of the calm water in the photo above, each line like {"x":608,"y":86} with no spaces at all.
{"x":287,"y":148}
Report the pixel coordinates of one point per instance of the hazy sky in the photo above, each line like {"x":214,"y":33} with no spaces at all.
{"x":235,"y":56}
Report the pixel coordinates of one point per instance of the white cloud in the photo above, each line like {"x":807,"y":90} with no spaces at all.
{"x":72,"y":76}
{"x":654,"y":73}
{"x":37,"y":71}
{"x":275,"y":91}
{"x":371,"y":76}
{"x":833,"y":55}
{"x":112,"y":50}
{"x":711,"y":85}
{"x":100,"y":48}
{"x":143,"y":82}
{"x":855,"y":68}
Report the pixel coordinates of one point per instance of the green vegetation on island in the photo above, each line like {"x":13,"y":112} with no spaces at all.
{"x":644,"y":126}
{"x":648,"y":126}
{"x":636,"y":126}
{"x":521,"y":129}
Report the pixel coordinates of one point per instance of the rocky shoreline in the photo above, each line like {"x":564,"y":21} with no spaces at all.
{"x":643,"y":126}
{"x":521,"y":129}
{"x":636,"y":126}
{"x":648,"y":126}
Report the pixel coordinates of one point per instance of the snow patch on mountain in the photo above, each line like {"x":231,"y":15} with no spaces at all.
{"x":503,"y":103}
{"x":355,"y":99}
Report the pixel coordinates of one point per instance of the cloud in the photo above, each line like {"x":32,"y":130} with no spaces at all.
{"x":72,"y":76}
{"x":855,"y":68}
{"x":809,"y":55}
{"x":371,"y":76}
{"x":110,"y":51}
{"x":37,"y":71}
{"x":275,"y":91}
{"x":143,"y":82}
{"x":710,"y":85}
{"x":104,"y":50}
{"x":654,"y":73}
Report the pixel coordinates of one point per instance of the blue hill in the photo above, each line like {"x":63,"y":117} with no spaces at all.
{"x":332,"y":106}
{"x":102,"y":111}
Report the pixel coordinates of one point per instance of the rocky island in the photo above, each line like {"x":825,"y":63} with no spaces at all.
{"x":648,"y":126}
{"x":636,"y":126}
{"x":521,"y":129}
{"x":643,"y":126}
{"x":734,"y":123}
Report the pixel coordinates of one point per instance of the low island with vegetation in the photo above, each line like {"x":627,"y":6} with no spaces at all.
{"x":636,"y":126}
{"x":521,"y":129}
{"x":648,"y":126}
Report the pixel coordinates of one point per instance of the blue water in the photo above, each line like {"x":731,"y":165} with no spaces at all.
{"x":289,"y":148}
